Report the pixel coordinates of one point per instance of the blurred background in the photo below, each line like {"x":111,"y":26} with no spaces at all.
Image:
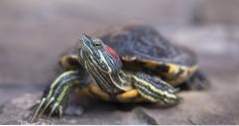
{"x":33,"y":33}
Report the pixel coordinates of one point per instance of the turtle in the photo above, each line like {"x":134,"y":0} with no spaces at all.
{"x":134,"y":64}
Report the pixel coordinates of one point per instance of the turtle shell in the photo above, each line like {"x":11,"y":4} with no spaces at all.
{"x":142,"y":48}
{"x":145,"y":43}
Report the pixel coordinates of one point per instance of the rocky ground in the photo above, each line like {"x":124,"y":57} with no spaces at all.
{"x":218,"y":50}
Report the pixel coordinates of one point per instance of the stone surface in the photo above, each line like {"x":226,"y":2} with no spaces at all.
{"x":217,"y":48}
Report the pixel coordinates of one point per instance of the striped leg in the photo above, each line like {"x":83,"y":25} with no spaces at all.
{"x":56,"y":94}
{"x":154,"y":89}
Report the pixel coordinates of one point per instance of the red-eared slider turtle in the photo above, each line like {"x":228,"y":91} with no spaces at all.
{"x":135,"y":64}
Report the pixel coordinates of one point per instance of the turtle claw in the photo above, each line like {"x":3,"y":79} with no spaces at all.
{"x":45,"y":106}
{"x":36,"y":113}
{"x":48,"y":103}
{"x":53,"y":109}
{"x":60,"y":111}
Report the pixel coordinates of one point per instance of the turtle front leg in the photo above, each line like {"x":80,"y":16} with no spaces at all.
{"x":53,"y":99}
{"x":155,"y":89}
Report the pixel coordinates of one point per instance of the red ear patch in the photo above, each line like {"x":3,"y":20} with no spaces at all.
{"x":112,"y":52}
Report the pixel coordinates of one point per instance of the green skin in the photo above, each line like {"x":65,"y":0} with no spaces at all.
{"x":105,"y":68}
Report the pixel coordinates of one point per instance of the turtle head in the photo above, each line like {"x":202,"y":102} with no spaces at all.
{"x":94,"y":53}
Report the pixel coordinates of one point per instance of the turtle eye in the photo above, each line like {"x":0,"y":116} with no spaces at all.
{"x":97,"y":43}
